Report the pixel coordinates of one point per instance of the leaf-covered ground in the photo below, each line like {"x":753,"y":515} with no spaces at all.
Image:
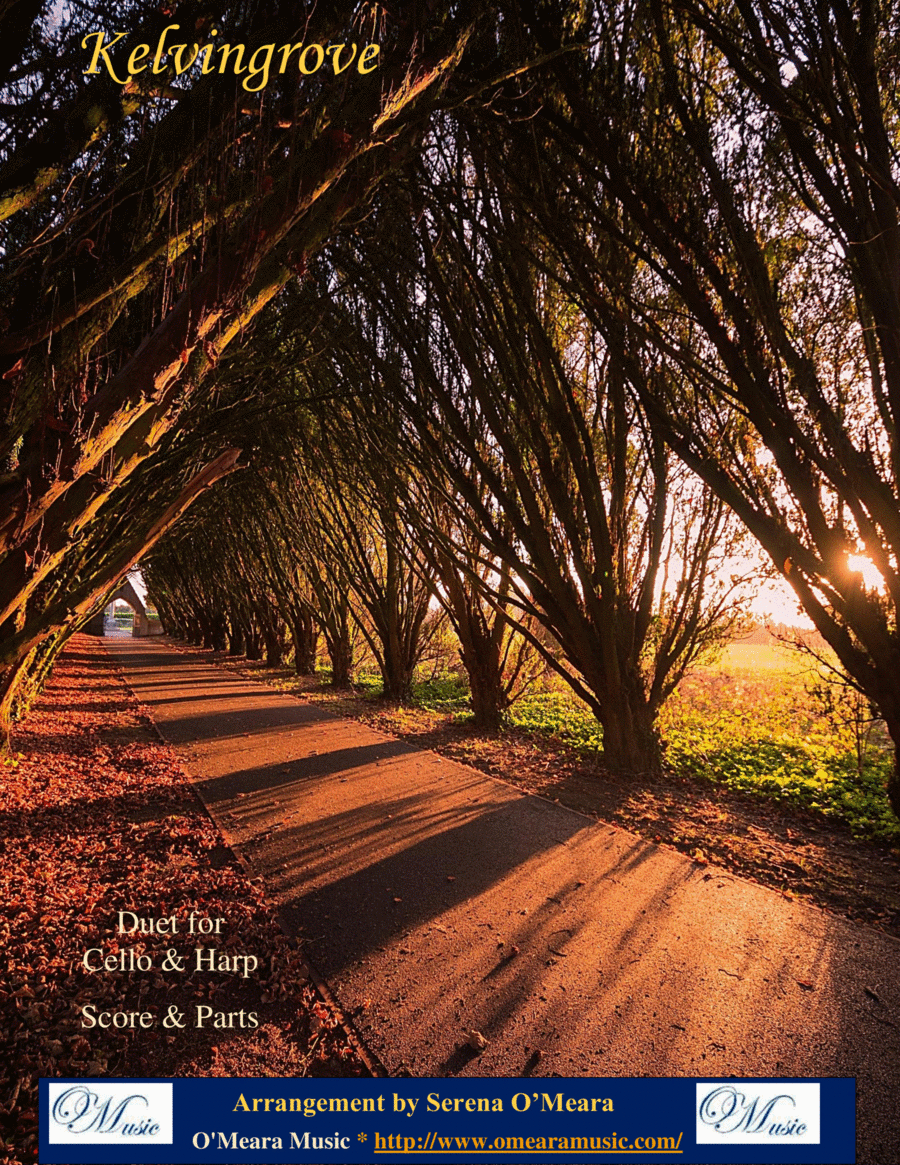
{"x":98,"y":817}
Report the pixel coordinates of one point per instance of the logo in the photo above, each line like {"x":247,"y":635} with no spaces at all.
{"x":751,"y":1113}
{"x":111,"y":1112}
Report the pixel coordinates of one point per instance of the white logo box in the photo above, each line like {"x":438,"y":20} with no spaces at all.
{"x":109,"y":1112}
{"x":746,"y":1112}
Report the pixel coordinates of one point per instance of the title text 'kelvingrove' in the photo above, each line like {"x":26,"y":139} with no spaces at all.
{"x":213,"y":57}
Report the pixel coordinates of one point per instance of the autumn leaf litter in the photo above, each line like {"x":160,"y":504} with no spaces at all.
{"x":98,"y":817}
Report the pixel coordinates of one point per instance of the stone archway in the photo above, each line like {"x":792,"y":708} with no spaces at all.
{"x":144,"y":624}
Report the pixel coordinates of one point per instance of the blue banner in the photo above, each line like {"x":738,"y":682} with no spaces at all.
{"x":470,"y":1119}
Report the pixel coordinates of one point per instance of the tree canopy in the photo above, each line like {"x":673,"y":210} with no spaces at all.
{"x":146,"y":226}
{"x":541,"y":307}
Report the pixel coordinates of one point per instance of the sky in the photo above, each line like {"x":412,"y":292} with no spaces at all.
{"x":775,"y":602}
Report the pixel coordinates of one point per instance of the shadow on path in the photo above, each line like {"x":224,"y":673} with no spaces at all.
{"x":438,"y":900}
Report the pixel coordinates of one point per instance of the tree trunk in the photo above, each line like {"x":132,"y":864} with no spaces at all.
{"x":214,"y":631}
{"x":274,"y":646}
{"x":306,"y":641}
{"x":397,"y":675}
{"x":340,"y":652}
{"x":235,"y":637}
{"x":253,"y":644}
{"x":14,"y":679}
{"x":341,"y":667}
{"x":630,"y":740}
{"x":22,"y":683}
{"x":208,"y":631}
{"x":893,"y":785}
{"x":489,"y":700}
{"x":480,"y":652}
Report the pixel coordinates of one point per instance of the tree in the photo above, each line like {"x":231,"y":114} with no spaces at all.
{"x":150,"y":225}
{"x":534,"y":419}
{"x":748,"y":158}
{"x":361,"y":523}
{"x":475,"y":590}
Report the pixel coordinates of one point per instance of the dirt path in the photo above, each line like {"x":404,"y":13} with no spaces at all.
{"x":437,"y":900}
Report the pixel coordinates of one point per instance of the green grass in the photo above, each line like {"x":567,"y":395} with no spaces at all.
{"x":751,"y":724}
{"x":368,"y":685}
{"x":443,"y":693}
{"x":447,"y":693}
{"x":559,"y":714}
{"x":773,"y":743}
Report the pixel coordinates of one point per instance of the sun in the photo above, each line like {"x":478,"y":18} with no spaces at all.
{"x":872,"y":576}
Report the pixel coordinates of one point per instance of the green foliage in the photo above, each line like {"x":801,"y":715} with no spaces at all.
{"x":447,"y":692}
{"x":369,"y":685}
{"x":560,"y":714}
{"x":763,"y":736}
{"x":779,"y":748}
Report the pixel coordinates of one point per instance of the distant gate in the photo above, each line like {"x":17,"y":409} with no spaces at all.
{"x":144,"y":624}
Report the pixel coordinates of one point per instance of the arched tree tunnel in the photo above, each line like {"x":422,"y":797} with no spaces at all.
{"x":514,"y":310}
